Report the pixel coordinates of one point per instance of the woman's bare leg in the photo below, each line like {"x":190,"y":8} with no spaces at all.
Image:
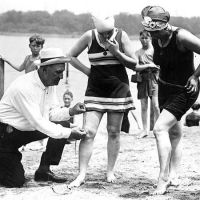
{"x":176,"y":153}
{"x":114,"y":121}
{"x":91,"y":124}
{"x":161,"y":131}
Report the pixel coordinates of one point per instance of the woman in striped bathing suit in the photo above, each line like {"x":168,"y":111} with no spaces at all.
{"x":109,"y":51}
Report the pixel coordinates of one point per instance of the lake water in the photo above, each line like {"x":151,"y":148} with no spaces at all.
{"x":15,"y":48}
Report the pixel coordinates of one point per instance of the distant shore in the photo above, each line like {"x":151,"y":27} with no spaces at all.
{"x":74,"y":35}
{"x":44,"y":34}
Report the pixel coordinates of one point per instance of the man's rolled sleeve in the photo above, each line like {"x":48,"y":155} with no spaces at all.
{"x":64,"y":132}
{"x":59,"y":114}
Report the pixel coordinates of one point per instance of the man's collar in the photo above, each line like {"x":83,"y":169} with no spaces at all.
{"x":38,"y":80}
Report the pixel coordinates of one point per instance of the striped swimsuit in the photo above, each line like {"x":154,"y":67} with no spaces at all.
{"x":108,"y":84}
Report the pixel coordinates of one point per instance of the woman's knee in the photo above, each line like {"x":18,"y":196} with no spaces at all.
{"x":90,"y":133}
{"x":175,"y":134}
{"x":158,"y":130}
{"x":113,"y":132}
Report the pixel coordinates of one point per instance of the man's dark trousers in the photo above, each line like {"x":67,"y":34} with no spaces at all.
{"x":11,"y":168}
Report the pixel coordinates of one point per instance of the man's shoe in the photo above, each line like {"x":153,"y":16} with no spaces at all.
{"x":47,"y":176}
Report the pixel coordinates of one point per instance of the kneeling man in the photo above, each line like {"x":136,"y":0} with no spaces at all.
{"x":30,"y":111}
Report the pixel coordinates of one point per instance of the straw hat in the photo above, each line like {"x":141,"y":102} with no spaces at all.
{"x":51,"y":56}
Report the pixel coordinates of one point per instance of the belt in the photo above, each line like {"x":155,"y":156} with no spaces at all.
{"x":6,"y":142}
{"x":171,"y":84}
{"x":5,"y":128}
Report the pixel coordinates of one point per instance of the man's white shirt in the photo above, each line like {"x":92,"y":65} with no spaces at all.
{"x":28,"y":105}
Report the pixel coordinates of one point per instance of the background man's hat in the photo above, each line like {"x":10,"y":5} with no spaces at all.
{"x":51,"y":56}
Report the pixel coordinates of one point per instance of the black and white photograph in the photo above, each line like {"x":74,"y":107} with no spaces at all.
{"x":99,"y":100}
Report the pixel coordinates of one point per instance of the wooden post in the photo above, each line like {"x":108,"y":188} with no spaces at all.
{"x":67,"y":73}
{"x":1,"y":78}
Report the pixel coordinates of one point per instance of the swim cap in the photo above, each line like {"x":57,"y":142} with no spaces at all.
{"x":155,"y":18}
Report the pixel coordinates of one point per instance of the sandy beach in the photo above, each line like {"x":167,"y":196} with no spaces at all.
{"x":136,"y":169}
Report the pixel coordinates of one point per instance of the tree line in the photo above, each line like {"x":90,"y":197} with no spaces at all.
{"x":67,"y":23}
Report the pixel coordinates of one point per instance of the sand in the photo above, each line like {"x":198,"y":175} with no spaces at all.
{"x":136,"y":169}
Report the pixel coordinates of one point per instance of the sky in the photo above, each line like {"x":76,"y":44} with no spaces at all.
{"x":182,"y":8}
